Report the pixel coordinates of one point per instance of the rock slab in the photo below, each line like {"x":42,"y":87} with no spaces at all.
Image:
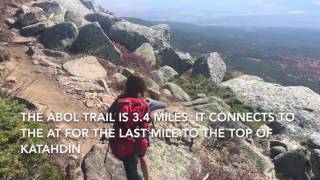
{"x":92,"y":40}
{"x":60,"y":37}
{"x":86,"y":67}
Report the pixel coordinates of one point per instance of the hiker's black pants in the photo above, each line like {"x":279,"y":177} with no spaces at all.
{"x":131,"y":168}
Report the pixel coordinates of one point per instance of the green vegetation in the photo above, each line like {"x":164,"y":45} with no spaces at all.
{"x":194,"y":85}
{"x":14,"y":165}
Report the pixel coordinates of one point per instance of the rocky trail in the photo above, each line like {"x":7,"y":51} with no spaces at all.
{"x":73,"y":56}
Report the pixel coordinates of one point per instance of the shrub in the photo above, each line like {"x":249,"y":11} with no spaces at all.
{"x":194,"y":85}
{"x":14,"y":165}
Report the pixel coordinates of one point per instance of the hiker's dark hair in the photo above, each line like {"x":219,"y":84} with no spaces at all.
{"x":135,"y":85}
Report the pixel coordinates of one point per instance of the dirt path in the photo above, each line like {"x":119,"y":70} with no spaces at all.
{"x":44,"y":90}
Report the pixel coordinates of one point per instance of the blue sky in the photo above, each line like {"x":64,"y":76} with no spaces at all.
{"x":208,"y":10}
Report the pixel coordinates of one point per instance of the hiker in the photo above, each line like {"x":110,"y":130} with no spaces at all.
{"x":130,"y":149}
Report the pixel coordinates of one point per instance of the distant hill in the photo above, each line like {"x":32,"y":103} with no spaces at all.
{"x":289,"y":56}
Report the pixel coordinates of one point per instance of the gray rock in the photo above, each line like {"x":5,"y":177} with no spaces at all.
{"x":294,"y":164}
{"x":74,"y":17}
{"x":164,"y":75}
{"x":269,"y":97}
{"x":9,"y":21}
{"x":94,"y":167}
{"x":72,"y":5}
{"x":53,"y":10}
{"x":201,"y":95}
{"x":53,"y":53}
{"x":91,"y":4}
{"x":211,"y":66}
{"x":199,"y":101}
{"x":48,"y":63}
{"x":313,"y":141}
{"x":166,"y":92}
{"x":154,"y":94}
{"x":87,"y":86}
{"x":49,"y":7}
{"x":86,"y":67}
{"x":163,"y":31}
{"x":36,"y":15}
{"x":261,"y":162}
{"x":36,"y":29}
{"x":105,"y":20}
{"x":161,"y":157}
{"x":276,"y":150}
{"x":315,"y":161}
{"x":179,"y":61}
{"x":22,"y":10}
{"x":133,"y":35}
{"x":92,"y":40}
{"x":60,"y":37}
{"x":208,"y":105}
{"x":278,"y":143}
{"x":147,"y":53}
{"x":177,"y":92}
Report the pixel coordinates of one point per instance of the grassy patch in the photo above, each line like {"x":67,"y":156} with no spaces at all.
{"x":14,"y":165}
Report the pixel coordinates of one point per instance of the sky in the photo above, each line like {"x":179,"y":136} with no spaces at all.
{"x":206,"y":11}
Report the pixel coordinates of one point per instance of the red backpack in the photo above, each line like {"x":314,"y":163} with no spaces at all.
{"x":126,"y":147}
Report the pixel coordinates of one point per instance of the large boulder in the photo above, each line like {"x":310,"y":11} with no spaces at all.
{"x":49,"y":7}
{"x":294,"y":165}
{"x":166,"y":162}
{"x":133,"y":35}
{"x":163,"y":30}
{"x":164,"y":75}
{"x":179,"y":61}
{"x":32,"y":17}
{"x":75,"y":18}
{"x":315,"y":161}
{"x":105,"y":20}
{"x":53,"y":10}
{"x":95,"y":168}
{"x":92,"y":40}
{"x":270,"y":97}
{"x":91,"y":5}
{"x":23,"y":9}
{"x":36,"y":29}
{"x":60,"y":37}
{"x":72,"y":5}
{"x":211,"y":66}
{"x":177,"y":92}
{"x":313,"y":142}
{"x":87,"y":67}
{"x":147,"y":53}
{"x":276,"y":150}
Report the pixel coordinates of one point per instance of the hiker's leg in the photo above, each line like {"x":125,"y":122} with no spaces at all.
{"x":144,"y":167}
{"x":130,"y":166}
{"x":154,"y":104}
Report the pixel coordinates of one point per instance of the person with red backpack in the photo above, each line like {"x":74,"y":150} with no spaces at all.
{"x":130,"y":112}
